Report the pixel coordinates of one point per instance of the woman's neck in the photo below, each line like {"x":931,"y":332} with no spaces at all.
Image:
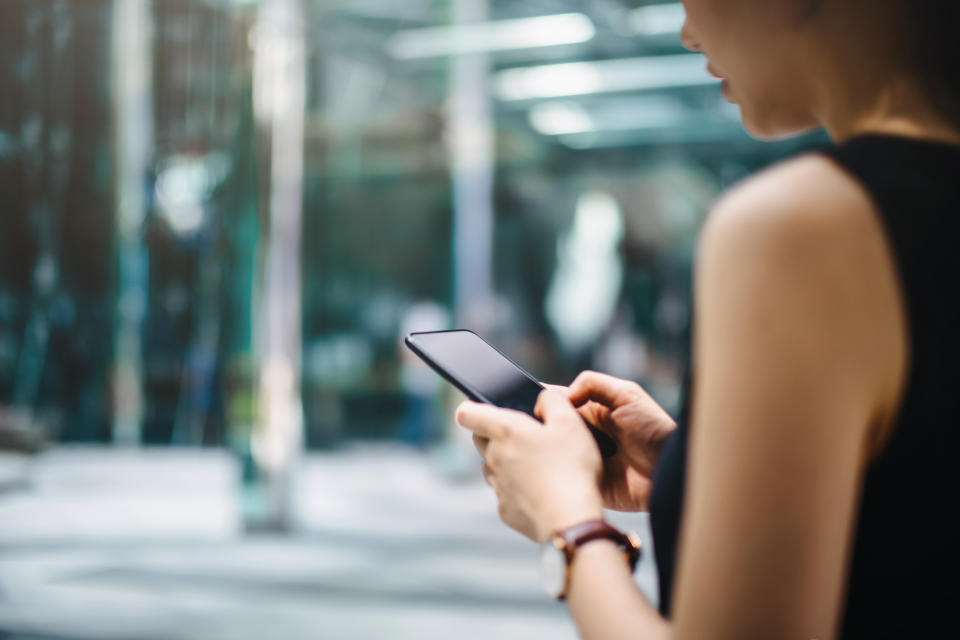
{"x":908,"y":117}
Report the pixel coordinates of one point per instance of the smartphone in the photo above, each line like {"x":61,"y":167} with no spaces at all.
{"x":483,"y":374}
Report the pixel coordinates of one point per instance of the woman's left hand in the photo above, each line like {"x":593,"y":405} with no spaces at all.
{"x":545,"y":475}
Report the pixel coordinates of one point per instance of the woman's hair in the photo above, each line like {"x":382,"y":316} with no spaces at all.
{"x":931,"y":37}
{"x":934,"y":50}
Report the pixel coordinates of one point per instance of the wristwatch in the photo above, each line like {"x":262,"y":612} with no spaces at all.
{"x":557,"y":552}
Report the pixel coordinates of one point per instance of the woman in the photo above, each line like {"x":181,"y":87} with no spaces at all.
{"x":811,"y":472}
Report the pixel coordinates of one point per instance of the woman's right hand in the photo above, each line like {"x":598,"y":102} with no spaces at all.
{"x":639,"y":425}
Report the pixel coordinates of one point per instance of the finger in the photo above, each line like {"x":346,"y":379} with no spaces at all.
{"x":552,"y":405}
{"x":558,"y":387}
{"x":488,"y":476}
{"x":481,"y":444}
{"x":485,"y":420}
{"x":599,"y":387}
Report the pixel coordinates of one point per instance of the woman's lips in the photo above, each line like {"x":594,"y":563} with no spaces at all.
{"x":714,"y":72}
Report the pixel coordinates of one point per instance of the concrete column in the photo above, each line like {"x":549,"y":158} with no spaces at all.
{"x":471,"y":149}
{"x":132,"y":70}
{"x":279,"y":87}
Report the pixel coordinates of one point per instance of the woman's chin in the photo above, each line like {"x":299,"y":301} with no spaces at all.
{"x":727,"y":92}
{"x":772,"y":128}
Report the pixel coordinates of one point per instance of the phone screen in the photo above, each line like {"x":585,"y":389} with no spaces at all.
{"x":486,"y":375}
{"x":484,"y":371}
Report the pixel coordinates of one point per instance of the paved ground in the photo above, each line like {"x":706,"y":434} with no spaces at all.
{"x":100,"y":544}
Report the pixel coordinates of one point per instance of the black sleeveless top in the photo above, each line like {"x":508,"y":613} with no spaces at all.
{"x":904,"y":571}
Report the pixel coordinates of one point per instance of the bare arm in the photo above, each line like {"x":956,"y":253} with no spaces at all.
{"x":793,"y":350}
{"x":800,"y":355}
{"x":604,"y":599}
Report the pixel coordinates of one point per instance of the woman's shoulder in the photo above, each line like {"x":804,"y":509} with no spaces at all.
{"x":802,"y":246}
{"x":805,"y":199}
{"x":803,"y":224}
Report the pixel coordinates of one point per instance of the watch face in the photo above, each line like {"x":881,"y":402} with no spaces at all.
{"x":553,"y":568}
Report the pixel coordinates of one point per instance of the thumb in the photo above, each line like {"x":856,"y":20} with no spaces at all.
{"x":553,"y":405}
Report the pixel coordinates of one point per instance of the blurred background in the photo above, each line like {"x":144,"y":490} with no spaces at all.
{"x":219,"y":219}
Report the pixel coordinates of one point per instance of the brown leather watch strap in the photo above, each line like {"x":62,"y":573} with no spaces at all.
{"x":584,"y":532}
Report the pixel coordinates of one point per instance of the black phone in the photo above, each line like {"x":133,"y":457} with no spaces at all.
{"x":483,"y":374}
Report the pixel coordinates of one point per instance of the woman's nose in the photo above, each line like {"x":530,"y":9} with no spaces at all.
{"x":687,"y":38}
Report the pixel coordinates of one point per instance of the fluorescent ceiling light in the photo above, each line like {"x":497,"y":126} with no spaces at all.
{"x":500,"y":35}
{"x":657,"y":19}
{"x":581,"y":78}
{"x":560,"y":118}
{"x":557,"y":118}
